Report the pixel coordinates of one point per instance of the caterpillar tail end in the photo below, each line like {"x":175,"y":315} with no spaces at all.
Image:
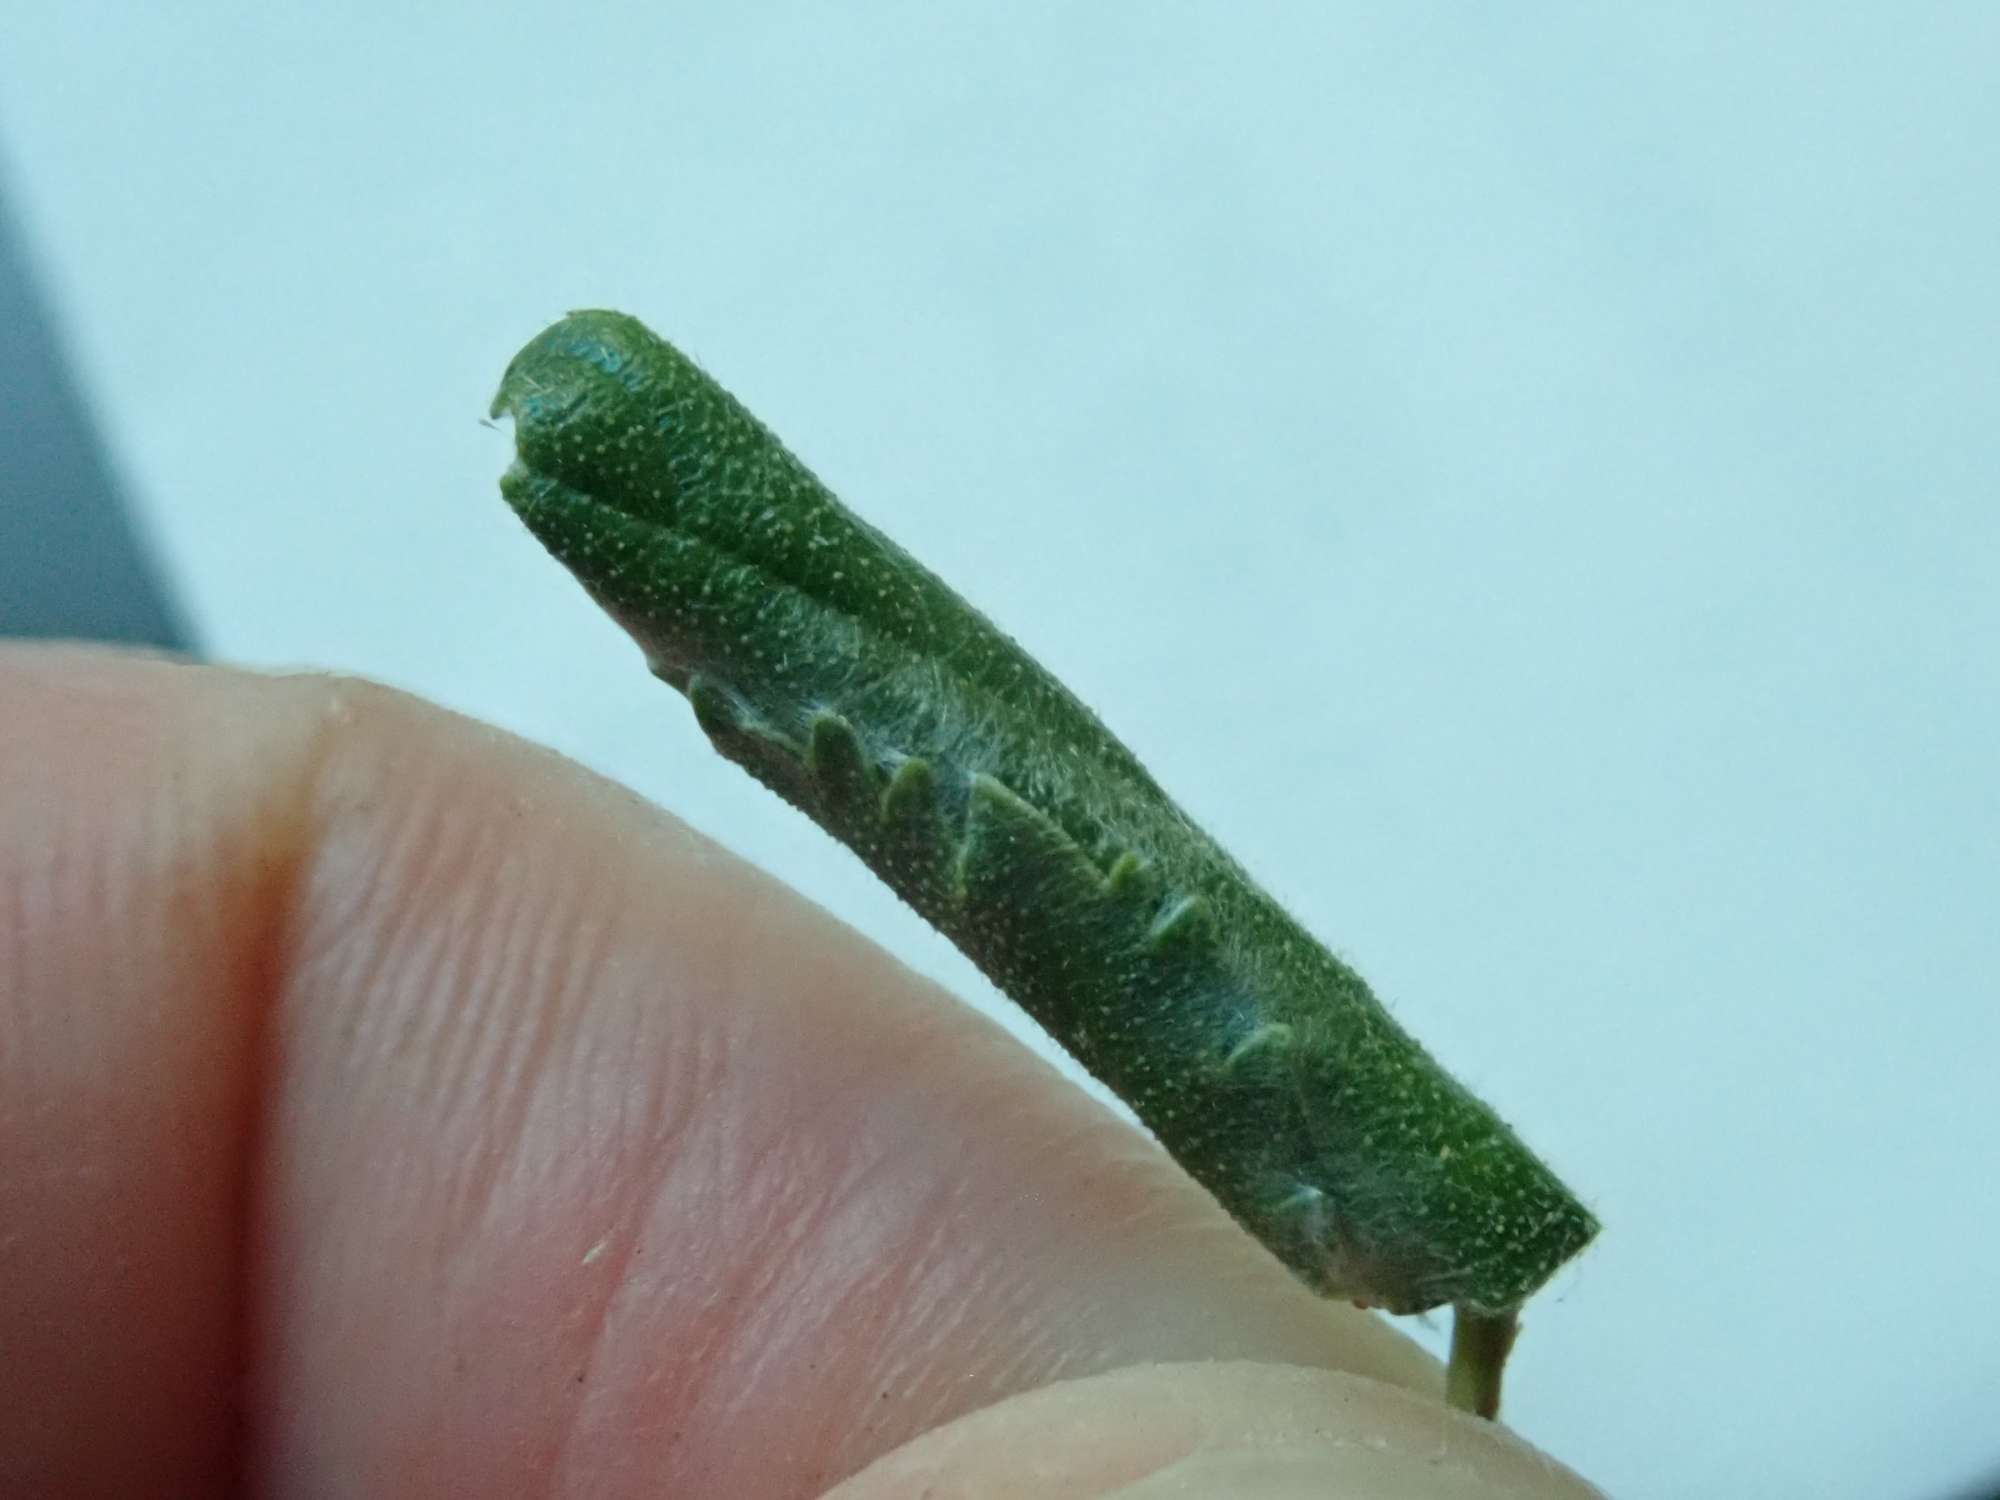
{"x":1480,"y":1344}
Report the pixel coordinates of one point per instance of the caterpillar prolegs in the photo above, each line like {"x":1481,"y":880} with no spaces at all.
{"x":849,"y":679}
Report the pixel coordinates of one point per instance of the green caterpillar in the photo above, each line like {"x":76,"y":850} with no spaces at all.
{"x":847,"y":678}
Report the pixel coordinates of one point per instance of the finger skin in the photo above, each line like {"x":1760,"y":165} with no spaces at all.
{"x":141,"y":909}
{"x":1148,"y":1432}
{"x":388,"y":1107}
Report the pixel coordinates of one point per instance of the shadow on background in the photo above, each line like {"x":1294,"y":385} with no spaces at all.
{"x":71,"y":561}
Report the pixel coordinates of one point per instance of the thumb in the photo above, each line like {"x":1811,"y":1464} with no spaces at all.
{"x":1256,"y":1431}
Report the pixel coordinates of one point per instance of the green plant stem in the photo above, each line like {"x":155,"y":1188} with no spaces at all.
{"x":1479,"y":1346}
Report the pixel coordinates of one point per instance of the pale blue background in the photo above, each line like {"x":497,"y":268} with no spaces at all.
{"x":1529,"y":482}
